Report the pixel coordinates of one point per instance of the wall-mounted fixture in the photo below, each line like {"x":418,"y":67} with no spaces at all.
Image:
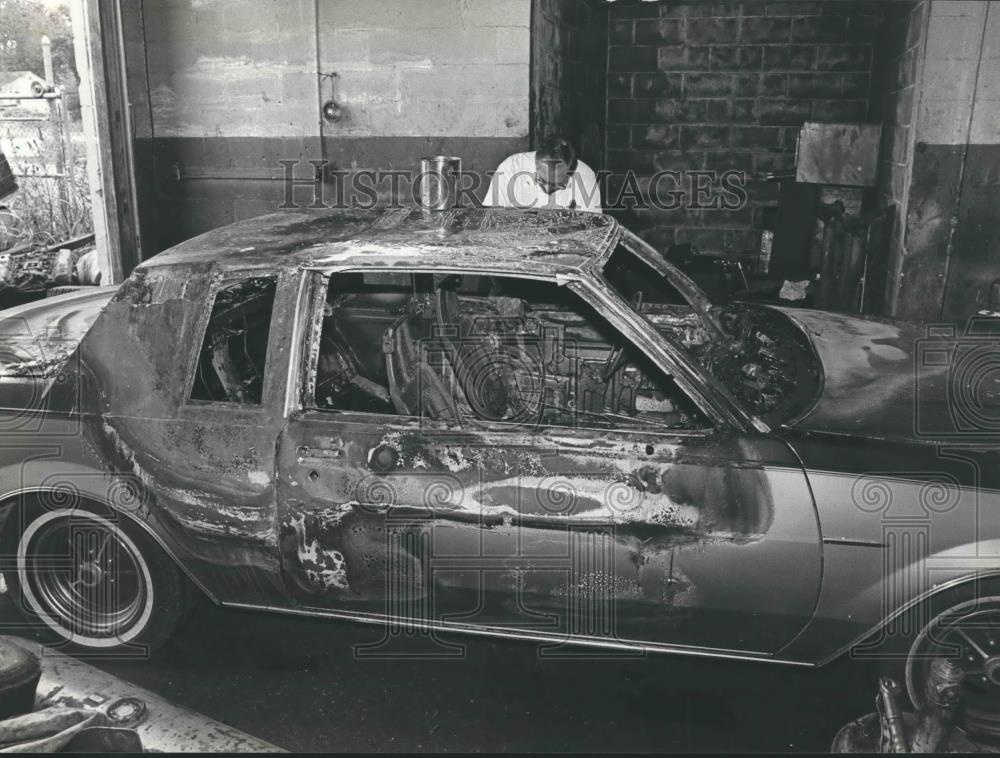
{"x":841,"y":154}
{"x":332,"y":111}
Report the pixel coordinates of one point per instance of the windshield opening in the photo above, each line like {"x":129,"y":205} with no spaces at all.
{"x":635,"y":280}
{"x":756,"y":355}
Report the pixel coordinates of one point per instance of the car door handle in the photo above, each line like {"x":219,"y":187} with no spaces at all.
{"x":320,"y":453}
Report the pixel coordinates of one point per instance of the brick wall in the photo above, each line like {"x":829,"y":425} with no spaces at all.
{"x":719,"y":86}
{"x":897,"y":64}
{"x":895,"y":94}
{"x":569,"y":39}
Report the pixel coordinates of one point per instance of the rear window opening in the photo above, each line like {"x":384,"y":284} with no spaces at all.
{"x":233,"y":353}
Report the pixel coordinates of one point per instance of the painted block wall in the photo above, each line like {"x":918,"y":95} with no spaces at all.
{"x":951,"y":249}
{"x":223,"y":89}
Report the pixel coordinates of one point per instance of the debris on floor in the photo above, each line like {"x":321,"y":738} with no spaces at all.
{"x":30,"y":272}
{"x":931,"y":729}
{"x":795,"y":290}
{"x":50,"y":701}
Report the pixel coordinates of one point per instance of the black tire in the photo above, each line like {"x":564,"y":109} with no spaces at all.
{"x":20,"y":671}
{"x":963,"y":626}
{"x":92,"y":578}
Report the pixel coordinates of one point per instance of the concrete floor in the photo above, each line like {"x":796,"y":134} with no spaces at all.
{"x":297,"y":683}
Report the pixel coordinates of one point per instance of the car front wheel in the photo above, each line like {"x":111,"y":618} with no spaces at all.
{"x":92,"y":578}
{"x":962,"y":626}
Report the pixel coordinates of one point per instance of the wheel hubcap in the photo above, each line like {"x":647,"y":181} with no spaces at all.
{"x":85,"y":575}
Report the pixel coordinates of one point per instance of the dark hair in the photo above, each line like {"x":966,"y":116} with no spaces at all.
{"x":558,"y":148}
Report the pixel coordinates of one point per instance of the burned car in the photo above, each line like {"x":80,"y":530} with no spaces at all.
{"x":523,"y":424}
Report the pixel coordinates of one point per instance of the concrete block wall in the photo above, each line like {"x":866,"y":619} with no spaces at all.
{"x":224,"y":89}
{"x":432,"y":67}
{"x":950,"y":250}
{"x":897,"y":66}
{"x":569,"y":42}
{"x":727,"y":85}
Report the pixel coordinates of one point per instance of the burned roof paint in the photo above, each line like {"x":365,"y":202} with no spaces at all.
{"x":549,"y":242}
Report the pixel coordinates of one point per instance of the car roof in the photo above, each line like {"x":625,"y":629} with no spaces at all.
{"x":546,"y":242}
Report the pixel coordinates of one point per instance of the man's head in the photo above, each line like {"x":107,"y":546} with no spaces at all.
{"x":555,"y":162}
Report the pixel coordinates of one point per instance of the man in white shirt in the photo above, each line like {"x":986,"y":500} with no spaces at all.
{"x":550,"y":177}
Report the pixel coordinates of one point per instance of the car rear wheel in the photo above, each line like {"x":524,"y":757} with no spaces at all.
{"x":93,"y":579}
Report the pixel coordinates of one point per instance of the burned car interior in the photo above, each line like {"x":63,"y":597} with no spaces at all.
{"x":764,"y":360}
{"x":479,"y":349}
{"x":483,"y":349}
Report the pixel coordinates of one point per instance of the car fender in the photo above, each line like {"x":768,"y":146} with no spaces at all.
{"x":871,"y":611}
{"x":78,"y":486}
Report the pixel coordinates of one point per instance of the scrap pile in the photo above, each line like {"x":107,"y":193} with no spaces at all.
{"x":52,"y":702}
{"x":29,"y":272}
{"x":29,"y":727}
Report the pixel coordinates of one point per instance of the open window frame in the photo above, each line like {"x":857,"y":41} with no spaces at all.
{"x":667,"y":359}
{"x":276,"y":353}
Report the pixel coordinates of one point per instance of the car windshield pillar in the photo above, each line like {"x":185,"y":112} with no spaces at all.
{"x":685,"y":286}
{"x":713,"y":398}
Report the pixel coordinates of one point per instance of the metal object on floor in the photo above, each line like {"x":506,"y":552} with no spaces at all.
{"x":931,"y":730}
{"x":936,"y":717}
{"x":104,"y":739}
{"x":162,"y":726}
{"x":893,"y":731}
{"x":127,"y":711}
{"x":48,"y":730}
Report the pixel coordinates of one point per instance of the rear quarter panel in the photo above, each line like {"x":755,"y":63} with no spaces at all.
{"x":113,"y":426}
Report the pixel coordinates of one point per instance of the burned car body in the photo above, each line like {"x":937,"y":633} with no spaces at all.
{"x":500,"y":422}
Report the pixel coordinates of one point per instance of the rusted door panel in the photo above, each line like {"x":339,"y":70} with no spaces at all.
{"x":694,"y":540}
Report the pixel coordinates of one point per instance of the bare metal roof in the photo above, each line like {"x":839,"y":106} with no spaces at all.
{"x":547,"y":242}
